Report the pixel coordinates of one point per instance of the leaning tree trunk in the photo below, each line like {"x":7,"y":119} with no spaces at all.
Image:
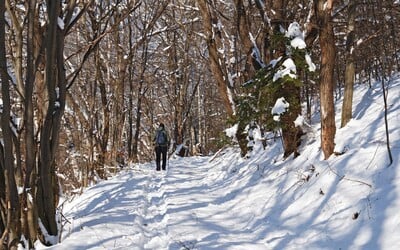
{"x":327,"y":44}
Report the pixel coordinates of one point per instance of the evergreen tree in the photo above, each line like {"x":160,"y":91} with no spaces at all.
{"x":281,"y":78}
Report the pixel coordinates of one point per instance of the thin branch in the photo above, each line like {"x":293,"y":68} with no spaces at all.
{"x":343,"y":177}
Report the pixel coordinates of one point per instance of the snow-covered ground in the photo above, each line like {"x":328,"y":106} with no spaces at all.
{"x":351,"y":201}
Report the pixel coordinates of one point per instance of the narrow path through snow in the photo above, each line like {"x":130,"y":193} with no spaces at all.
{"x":132,"y":210}
{"x":190,"y":206}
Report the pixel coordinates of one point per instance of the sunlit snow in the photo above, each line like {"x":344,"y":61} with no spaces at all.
{"x":223,"y":201}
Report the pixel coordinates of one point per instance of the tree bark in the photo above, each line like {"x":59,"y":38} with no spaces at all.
{"x":140,"y":95}
{"x":119,"y":99}
{"x":11,"y":234}
{"x":384,"y":95}
{"x":327,"y":44}
{"x":216,"y":68}
{"x":30,"y":210}
{"x":243,"y":28}
{"x":56,"y":92}
{"x":106,"y":126}
{"x":349,"y":75}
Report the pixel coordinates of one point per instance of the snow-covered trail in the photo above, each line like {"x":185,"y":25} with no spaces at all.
{"x":124,"y":211}
{"x":193,"y":205}
{"x":133,"y":210}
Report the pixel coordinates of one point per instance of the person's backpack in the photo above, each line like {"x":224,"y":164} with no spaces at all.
{"x":161,"y":138}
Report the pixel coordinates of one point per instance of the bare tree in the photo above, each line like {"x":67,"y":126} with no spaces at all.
{"x":41,"y":89}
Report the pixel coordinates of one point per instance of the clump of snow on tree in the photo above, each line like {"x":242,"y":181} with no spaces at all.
{"x":60,"y":23}
{"x":288,"y":69}
{"x":256,"y":54}
{"x":311,"y":65}
{"x":299,"y":122}
{"x":294,"y":32}
{"x":280,"y":107}
{"x":275,"y":61}
{"x":231,"y":132}
{"x":298,"y":43}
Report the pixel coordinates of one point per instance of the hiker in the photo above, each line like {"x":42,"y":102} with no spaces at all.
{"x":161,"y":143}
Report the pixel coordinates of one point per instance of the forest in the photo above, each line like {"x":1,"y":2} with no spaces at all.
{"x":84,"y":83}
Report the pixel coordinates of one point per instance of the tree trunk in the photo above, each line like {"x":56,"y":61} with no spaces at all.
{"x":11,"y":234}
{"x":136,"y":139}
{"x":131,"y":144}
{"x":349,"y":76}
{"x":105,"y":132}
{"x":290,"y":133}
{"x":49,"y":135}
{"x":384,"y":95}
{"x":243,"y":28}
{"x":201,"y":139}
{"x":30,"y":211}
{"x":214,"y":59}
{"x":140,"y":95}
{"x":119,"y":100}
{"x":3,"y":209}
{"x":327,"y":44}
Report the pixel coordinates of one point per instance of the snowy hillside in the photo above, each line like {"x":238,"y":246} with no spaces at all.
{"x":351,"y":201}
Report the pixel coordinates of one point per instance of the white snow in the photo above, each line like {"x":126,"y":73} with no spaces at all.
{"x":294,"y":30}
{"x":311,"y":65}
{"x":50,"y":238}
{"x":280,"y":107}
{"x":288,"y":69}
{"x":274,"y":62}
{"x":231,"y":132}
{"x":350,"y":201}
{"x":299,"y":122}
{"x":20,"y":189}
{"x":60,"y":23}
{"x":298,"y":43}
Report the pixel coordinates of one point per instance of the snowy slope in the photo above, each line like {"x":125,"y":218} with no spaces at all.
{"x":351,"y":201}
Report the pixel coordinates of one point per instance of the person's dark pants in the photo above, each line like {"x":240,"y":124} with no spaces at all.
{"x":161,"y":151}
